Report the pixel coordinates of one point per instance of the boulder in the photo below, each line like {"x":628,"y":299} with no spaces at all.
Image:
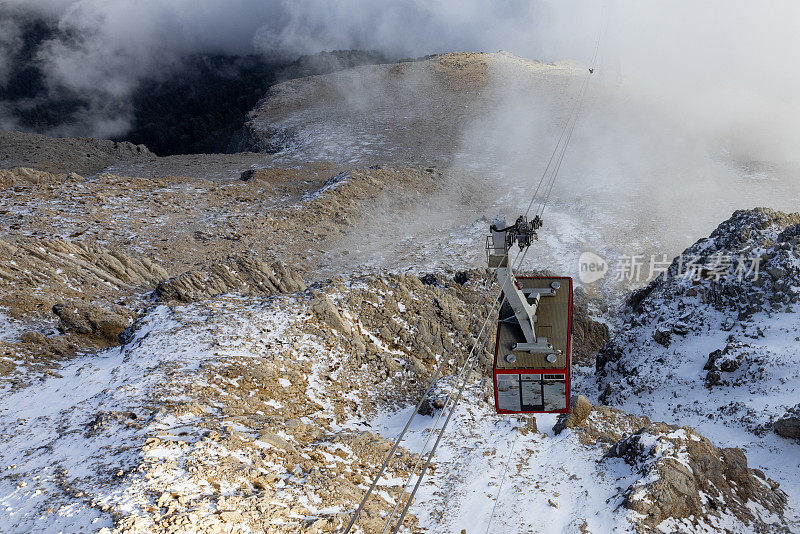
{"x":429,"y":279}
{"x":788,"y":426}
{"x":90,"y":320}
{"x":579,"y":410}
{"x":662,"y":335}
{"x":426,"y":408}
{"x":683,"y":475}
{"x":276,"y":441}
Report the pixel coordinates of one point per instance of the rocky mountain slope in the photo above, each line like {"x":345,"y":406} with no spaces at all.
{"x":230,"y":343}
{"x":237,"y":414}
{"x":250,"y":412}
{"x":712,"y":342}
{"x":719,"y":298}
{"x":65,"y":154}
{"x":184,"y":222}
{"x":410,"y":112}
{"x":280,"y":387}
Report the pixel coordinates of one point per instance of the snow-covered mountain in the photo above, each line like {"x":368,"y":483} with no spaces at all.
{"x":224,"y":344}
{"x":713,"y":343}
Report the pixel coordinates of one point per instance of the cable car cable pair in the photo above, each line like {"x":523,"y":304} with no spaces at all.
{"x":466,"y":375}
{"x":488,"y":281}
{"x":435,"y":425}
{"x":473,"y":358}
{"x":531,"y":390}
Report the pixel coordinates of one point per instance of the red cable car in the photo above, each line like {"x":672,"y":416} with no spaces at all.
{"x":532,"y":359}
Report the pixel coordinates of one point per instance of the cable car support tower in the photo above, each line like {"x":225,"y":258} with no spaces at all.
{"x":524,"y":302}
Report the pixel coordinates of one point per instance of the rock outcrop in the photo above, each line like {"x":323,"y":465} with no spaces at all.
{"x":35,"y":274}
{"x":678,"y":480}
{"x":715,"y":322}
{"x":685,"y":477}
{"x":82,"y":155}
{"x":244,"y":275}
{"x":788,"y":425}
{"x":89,"y":293}
{"x":588,"y":335}
{"x":327,"y":312}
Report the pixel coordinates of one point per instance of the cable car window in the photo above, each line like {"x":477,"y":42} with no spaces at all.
{"x":508,"y":392}
{"x":531,"y":391}
{"x":555,"y":392}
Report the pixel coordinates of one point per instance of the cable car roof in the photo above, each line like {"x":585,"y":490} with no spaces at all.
{"x":553,"y":318}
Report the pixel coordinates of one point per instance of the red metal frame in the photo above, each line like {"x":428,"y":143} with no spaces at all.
{"x":496,"y":371}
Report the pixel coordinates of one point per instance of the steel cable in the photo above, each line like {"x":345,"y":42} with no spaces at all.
{"x":432,"y":382}
{"x":502,"y":480}
{"x":569,"y":128}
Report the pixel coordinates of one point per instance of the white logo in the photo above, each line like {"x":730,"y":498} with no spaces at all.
{"x":591,"y":267}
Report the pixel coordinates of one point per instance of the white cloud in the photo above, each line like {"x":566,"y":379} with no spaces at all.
{"x":730,"y":66}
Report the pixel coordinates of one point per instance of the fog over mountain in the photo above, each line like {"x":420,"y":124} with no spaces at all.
{"x":727,"y":65}
{"x":268,"y":263}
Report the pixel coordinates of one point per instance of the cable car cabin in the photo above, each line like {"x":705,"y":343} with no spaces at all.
{"x":535,"y":382}
{"x":532,"y":360}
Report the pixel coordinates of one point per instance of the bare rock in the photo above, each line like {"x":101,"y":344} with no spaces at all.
{"x":713,"y":378}
{"x":588,"y":335}
{"x":579,"y":410}
{"x":788,"y":426}
{"x":429,"y":279}
{"x":243,"y":275}
{"x":36,"y":262}
{"x":606,"y":425}
{"x":683,"y":474}
{"x":529,"y":425}
{"x":90,"y":320}
{"x":32,"y":337}
{"x":277,"y":441}
{"x":461,"y":277}
{"x":790,"y":233}
{"x":680,"y":328}
{"x":327,"y":312}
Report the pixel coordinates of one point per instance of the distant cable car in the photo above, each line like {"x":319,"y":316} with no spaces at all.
{"x":532,"y":360}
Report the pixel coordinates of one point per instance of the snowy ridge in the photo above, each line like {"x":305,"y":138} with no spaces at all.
{"x":719,"y":353}
{"x":273,"y":414}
